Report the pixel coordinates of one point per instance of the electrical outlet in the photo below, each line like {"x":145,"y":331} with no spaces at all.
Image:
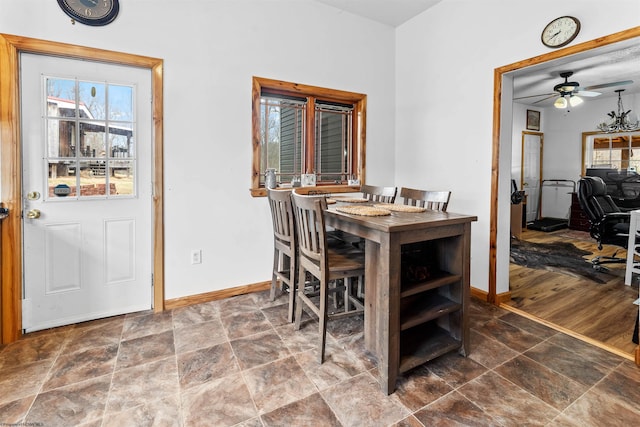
{"x":196,"y":256}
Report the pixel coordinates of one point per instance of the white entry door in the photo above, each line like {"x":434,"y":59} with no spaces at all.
{"x":87,"y":202}
{"x":531,"y":172}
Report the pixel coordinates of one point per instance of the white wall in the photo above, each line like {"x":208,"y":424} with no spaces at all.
{"x":444,"y":72}
{"x":211,"y":49}
{"x":435,"y":73}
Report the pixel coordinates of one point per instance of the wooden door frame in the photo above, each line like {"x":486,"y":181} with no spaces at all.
{"x":541,"y":135}
{"x":11,"y":47}
{"x":498,"y":136}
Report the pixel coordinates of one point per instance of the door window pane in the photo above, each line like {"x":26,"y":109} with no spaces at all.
{"x":92,"y":100}
{"x":93,"y":180}
{"x":61,"y":138}
{"x":62,"y":178}
{"x":120,"y":103}
{"x":121,"y":142}
{"x":121,"y":177}
{"x":92,"y":139}
{"x":61,"y":97}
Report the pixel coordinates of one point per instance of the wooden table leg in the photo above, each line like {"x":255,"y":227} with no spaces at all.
{"x":388,"y":312}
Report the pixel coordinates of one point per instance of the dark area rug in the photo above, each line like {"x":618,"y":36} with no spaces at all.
{"x":561,"y":257}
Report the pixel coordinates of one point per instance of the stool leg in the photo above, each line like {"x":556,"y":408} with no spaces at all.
{"x":292,"y":289}
{"x":347,"y":294}
{"x":274,"y":277}
{"x":322,"y":317}
{"x":298,"y":303}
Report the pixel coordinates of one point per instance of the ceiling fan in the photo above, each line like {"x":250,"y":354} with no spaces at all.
{"x":567,"y":92}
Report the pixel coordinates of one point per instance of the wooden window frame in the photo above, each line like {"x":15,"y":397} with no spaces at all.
{"x":278,"y":87}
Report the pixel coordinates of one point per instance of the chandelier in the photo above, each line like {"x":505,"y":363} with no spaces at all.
{"x":619,"y":122}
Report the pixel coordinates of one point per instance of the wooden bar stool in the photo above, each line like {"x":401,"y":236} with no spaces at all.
{"x":327,"y":265}
{"x":284,"y":245}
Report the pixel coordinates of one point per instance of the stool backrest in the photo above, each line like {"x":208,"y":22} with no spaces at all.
{"x":379,"y":194}
{"x":432,"y":200}
{"x":282,"y":217}
{"x":312,"y":235}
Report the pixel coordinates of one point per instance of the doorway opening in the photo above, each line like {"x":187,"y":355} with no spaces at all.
{"x":499,"y":230}
{"x":11,"y":279}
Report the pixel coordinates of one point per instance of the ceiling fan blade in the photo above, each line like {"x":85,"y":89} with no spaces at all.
{"x":536,"y":96}
{"x":551,"y":95}
{"x":587,"y":93}
{"x":612,"y":84}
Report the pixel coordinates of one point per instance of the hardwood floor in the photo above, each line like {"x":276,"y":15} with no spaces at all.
{"x":603,"y":312}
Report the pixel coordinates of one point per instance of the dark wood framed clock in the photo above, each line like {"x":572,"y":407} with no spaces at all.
{"x":91,"y":12}
{"x":560,"y":32}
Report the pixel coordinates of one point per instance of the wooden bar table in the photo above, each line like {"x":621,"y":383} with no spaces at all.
{"x":408,"y":322}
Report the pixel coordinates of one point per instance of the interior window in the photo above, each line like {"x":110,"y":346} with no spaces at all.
{"x":616,"y":151}
{"x":90,"y":139}
{"x":300,"y":130}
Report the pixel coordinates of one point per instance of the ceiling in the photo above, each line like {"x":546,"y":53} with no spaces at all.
{"x":390,"y":12}
{"x":595,"y":67}
{"x":614,"y":63}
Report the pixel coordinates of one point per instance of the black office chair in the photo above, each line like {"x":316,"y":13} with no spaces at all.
{"x":609,"y":225}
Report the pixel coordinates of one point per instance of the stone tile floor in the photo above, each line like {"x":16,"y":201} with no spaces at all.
{"x":239,"y":362}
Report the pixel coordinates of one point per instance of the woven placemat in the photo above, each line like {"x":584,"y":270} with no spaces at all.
{"x":400,"y":208}
{"x":363,"y":210}
{"x":351,"y":199}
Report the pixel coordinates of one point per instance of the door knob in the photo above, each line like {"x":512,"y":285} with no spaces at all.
{"x":33,"y":214}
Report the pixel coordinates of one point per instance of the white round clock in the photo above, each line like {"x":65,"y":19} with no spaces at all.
{"x":560,"y":32}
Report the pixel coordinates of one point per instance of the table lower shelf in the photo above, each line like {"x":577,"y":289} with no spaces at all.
{"x":426,"y":307}
{"x":421,"y":344}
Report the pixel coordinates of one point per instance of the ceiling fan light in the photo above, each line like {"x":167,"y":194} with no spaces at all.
{"x":575,"y":100}
{"x":561,"y":102}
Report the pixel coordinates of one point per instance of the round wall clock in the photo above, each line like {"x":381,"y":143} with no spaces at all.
{"x":91,"y":12}
{"x":560,"y":32}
